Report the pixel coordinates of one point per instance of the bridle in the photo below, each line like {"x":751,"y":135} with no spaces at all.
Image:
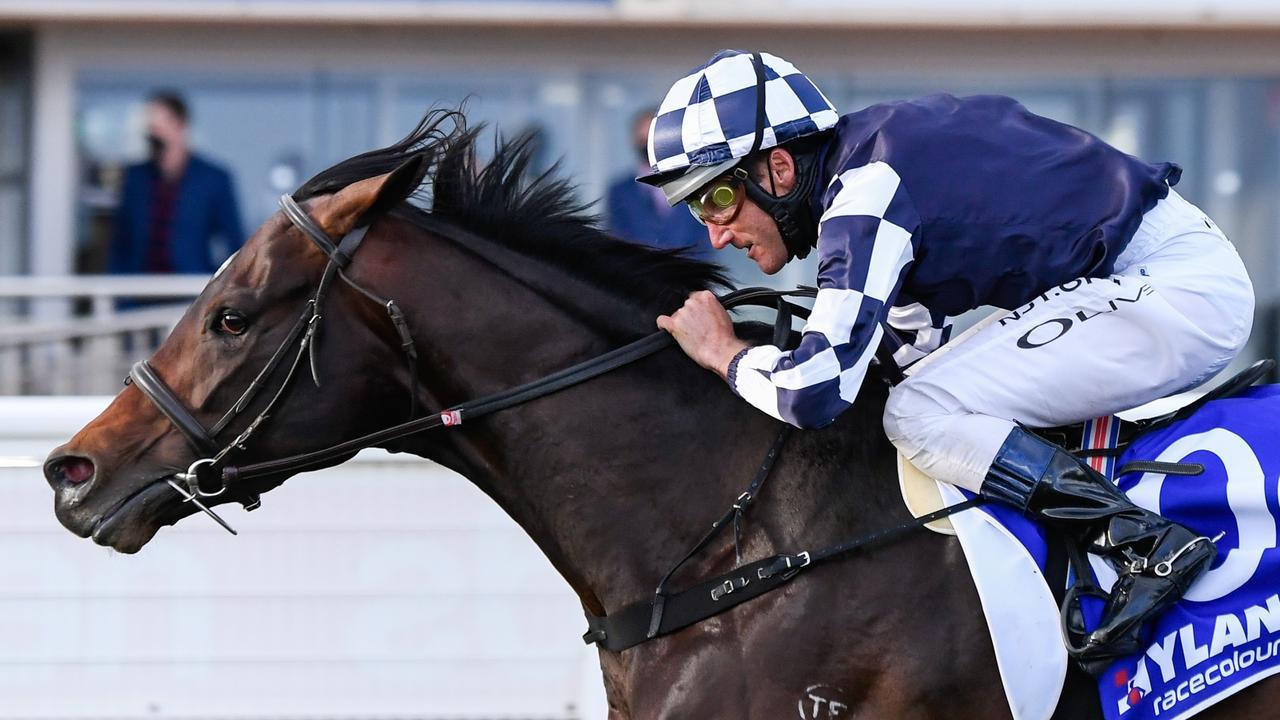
{"x":200,"y":479}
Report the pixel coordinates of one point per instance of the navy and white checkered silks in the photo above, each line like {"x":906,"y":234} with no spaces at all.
{"x":866,"y":248}
{"x":709,"y":115}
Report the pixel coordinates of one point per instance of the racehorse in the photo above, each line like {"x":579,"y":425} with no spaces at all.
{"x":504,"y":280}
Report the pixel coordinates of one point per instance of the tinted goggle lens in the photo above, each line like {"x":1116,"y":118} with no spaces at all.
{"x":719,"y":204}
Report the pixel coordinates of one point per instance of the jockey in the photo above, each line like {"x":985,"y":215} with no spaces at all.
{"x":1118,"y":291}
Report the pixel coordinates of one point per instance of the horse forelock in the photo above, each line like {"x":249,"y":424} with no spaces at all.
{"x":508,"y":202}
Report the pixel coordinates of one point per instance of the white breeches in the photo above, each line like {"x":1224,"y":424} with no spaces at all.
{"x":1177,"y":310}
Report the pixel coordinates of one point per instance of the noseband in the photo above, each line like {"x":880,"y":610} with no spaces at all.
{"x":200,"y":479}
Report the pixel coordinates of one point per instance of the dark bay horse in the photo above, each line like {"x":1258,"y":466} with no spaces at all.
{"x":614,"y":479}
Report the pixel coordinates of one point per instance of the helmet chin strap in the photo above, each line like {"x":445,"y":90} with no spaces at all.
{"x":791,"y":212}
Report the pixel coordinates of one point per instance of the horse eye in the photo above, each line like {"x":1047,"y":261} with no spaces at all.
{"x":231,"y":322}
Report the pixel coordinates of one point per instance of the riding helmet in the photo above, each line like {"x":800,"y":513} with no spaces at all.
{"x":729,"y":108}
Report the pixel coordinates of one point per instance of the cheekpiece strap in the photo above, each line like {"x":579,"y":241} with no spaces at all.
{"x":758,"y":63}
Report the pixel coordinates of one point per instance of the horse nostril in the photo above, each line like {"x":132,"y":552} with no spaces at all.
{"x":68,"y":471}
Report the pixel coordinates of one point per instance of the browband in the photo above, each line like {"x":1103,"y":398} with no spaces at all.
{"x":299,"y":217}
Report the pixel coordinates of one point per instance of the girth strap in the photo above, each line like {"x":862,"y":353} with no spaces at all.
{"x":735,"y":514}
{"x":630,"y":626}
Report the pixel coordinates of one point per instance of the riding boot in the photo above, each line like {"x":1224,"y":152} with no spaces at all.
{"x":1156,"y":558}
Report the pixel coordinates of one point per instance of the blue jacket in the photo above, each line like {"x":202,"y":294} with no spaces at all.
{"x":633,"y":216}
{"x":935,"y":206}
{"x":206,"y":225}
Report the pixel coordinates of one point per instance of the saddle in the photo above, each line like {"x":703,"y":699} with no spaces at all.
{"x":1100,"y":440}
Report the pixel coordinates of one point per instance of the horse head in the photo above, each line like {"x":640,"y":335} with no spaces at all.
{"x":264,"y":334}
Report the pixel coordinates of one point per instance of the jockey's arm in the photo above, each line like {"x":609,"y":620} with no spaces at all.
{"x":862,"y":260}
{"x":809,"y":386}
{"x":704,"y":331}
{"x":921,"y":330}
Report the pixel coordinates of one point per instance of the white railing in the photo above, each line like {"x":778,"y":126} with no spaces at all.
{"x":68,"y":335}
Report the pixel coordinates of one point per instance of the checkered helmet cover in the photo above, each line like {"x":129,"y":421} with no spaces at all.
{"x":709,"y":115}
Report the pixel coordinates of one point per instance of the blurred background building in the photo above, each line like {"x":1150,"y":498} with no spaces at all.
{"x":282,"y":88}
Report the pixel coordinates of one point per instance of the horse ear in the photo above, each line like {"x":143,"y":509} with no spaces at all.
{"x":361,"y":203}
{"x":399,"y":185}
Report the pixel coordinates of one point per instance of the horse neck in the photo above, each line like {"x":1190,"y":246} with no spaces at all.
{"x":616,"y":478}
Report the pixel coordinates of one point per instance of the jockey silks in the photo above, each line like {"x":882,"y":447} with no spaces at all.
{"x":935,"y":206}
{"x":1005,"y":203}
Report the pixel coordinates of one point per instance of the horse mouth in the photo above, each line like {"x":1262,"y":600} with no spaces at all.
{"x":134,"y":520}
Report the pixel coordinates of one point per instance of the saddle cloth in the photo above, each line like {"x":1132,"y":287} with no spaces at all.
{"x":1221,"y":638}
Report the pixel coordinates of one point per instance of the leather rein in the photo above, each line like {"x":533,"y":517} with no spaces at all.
{"x":665,"y":611}
{"x":207,"y":477}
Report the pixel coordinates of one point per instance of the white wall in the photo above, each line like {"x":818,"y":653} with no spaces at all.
{"x":387,"y":587}
{"x":1195,"y":13}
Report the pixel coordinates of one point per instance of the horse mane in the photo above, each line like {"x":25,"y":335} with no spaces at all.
{"x":537,"y":215}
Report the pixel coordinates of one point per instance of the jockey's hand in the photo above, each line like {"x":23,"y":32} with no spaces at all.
{"x":704,"y":331}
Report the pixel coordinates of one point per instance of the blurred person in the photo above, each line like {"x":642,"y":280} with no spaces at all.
{"x":640,"y":214}
{"x":177,"y":211}
{"x":1121,"y":291}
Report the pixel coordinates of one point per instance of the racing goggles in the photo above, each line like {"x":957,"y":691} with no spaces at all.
{"x":720,"y":202}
